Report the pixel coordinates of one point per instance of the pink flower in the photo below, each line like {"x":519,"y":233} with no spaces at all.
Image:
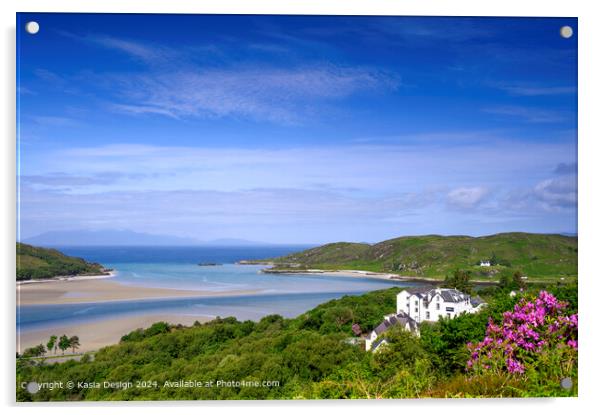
{"x":514,"y":366}
{"x":524,"y":332}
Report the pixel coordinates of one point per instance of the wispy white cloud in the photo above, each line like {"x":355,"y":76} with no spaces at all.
{"x":143,"y":109}
{"x":22,"y":90}
{"x":557,"y":192}
{"x":60,"y":180}
{"x":174,"y":84}
{"x":50,"y":77}
{"x":467,"y":197}
{"x":528,"y":114}
{"x":56,"y":82}
{"x":532,"y":90}
{"x":272,"y":94}
{"x":135,"y":49}
{"x":149,"y":53}
{"x":440,"y":29}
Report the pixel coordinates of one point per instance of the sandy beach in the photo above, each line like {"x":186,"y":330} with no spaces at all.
{"x":91,"y":290}
{"x":336,"y":273}
{"x":69,"y":278}
{"x":96,"y":334}
{"x":367,"y":274}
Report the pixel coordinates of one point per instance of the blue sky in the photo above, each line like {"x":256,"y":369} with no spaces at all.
{"x":297,"y":129}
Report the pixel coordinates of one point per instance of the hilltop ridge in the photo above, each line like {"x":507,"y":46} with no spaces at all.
{"x":434,"y":256}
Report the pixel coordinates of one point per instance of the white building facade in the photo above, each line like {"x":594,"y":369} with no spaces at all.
{"x":431,"y":304}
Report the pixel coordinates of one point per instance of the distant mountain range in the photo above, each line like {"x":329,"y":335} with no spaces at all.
{"x":126,"y":238}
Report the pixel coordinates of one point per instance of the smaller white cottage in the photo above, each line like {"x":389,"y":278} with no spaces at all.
{"x":401,"y":319}
{"x":485,"y":263}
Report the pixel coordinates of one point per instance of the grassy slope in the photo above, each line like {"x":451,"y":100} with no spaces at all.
{"x":39,"y":263}
{"x":536,"y":255}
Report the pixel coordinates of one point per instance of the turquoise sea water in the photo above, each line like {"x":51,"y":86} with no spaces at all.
{"x":176,"y":267}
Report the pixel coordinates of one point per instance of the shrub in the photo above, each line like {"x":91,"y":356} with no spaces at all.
{"x":533,"y":329}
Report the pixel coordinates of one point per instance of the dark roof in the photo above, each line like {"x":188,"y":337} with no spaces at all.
{"x":382,"y":327}
{"x":453,"y":296}
{"x":418,"y":290}
{"x":475,"y":301}
{"x":402,"y":319}
{"x":377,"y":343}
{"x":450,"y":295}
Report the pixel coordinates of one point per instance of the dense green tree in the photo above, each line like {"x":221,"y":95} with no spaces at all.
{"x":52,"y":343}
{"x":35,"y":351}
{"x":64,"y":343}
{"x":460,"y":280}
{"x":518,"y":280}
{"x":514,"y":282}
{"x":74,"y":343}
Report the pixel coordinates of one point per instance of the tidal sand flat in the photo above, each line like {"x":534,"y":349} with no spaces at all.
{"x":100,"y":290}
{"x":173,"y":288}
{"x":96,"y":334}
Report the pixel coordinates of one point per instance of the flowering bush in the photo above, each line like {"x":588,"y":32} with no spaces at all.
{"x":535,"y":327}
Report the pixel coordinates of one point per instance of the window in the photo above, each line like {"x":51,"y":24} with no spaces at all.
{"x":416,"y":303}
{"x":449,"y":309}
{"x":416,"y":310}
{"x":438,"y":306}
{"x":428,"y":315}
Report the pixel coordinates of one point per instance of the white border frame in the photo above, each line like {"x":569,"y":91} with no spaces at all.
{"x":590,"y":63}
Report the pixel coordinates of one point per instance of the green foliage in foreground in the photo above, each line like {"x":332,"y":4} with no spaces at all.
{"x":309,"y":357}
{"x":38,"y":263}
{"x":535,"y":255}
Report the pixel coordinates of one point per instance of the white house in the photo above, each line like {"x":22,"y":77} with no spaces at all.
{"x":417,"y":305}
{"x":430,"y":304}
{"x":485,"y":263}
{"x":402,"y":319}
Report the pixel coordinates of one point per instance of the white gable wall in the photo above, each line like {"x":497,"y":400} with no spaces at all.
{"x":423,"y":308}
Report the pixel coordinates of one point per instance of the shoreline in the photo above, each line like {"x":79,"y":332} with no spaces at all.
{"x":94,"y":335}
{"x":335,"y":273}
{"x":364,"y":274}
{"x":61,"y":278}
{"x":100,"y":290}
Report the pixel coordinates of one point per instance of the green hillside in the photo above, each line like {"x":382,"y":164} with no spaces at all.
{"x":434,"y":256}
{"x":40,"y":263}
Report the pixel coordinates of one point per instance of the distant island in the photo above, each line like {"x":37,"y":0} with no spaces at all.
{"x":537,"y":256}
{"x":209,"y":264}
{"x":34,"y":263}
